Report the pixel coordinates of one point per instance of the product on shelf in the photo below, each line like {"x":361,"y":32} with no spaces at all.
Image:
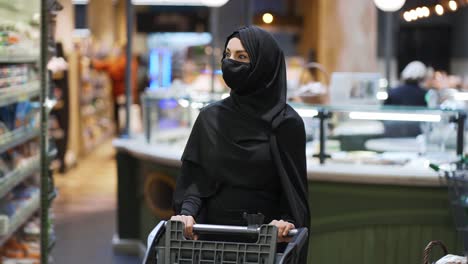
{"x":13,"y":204}
{"x":3,"y":130}
{"x":19,"y":127}
{"x":20,"y":115}
{"x":4,"y":168}
{"x":18,"y":157}
{"x":19,"y":38}
{"x":24,"y":246}
{"x":13,"y":75}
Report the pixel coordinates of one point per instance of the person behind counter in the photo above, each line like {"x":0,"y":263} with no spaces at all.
{"x":410,"y":93}
{"x":246,"y":153}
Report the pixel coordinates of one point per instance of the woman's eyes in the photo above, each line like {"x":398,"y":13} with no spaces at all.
{"x":239,"y":57}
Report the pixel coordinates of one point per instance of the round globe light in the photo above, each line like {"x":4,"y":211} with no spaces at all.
{"x":267,"y":18}
{"x":389,"y":5}
{"x":427,"y":11}
{"x":419,"y":12}
{"x":414,"y":14}
{"x":453,"y":5}
{"x":407,"y":16}
{"x":439,"y":10}
{"x":214,"y":3}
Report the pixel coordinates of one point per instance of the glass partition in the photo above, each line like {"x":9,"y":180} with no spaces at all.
{"x":375,"y":134}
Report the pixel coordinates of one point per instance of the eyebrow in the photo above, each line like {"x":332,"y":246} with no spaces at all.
{"x":237,"y":51}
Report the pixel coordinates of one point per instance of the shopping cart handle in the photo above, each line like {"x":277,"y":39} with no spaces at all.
{"x":153,"y":238}
{"x":293,"y":250}
{"x":225,"y":229}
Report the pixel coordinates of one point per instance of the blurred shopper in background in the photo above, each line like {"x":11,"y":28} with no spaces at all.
{"x":410,"y":93}
{"x":115,"y":67}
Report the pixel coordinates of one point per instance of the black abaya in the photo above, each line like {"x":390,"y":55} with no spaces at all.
{"x":248,"y":147}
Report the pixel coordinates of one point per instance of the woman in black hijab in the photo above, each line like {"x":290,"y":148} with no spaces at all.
{"x":246,"y":153}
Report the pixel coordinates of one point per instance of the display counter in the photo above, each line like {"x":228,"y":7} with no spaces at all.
{"x":360,"y":212}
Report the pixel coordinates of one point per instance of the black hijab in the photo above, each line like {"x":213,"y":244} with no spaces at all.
{"x":267,"y":79}
{"x":228,"y":133}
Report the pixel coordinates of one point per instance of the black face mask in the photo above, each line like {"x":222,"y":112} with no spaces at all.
{"x":235,"y":74}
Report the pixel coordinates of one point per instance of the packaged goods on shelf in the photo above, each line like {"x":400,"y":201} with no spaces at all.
{"x":16,"y":208}
{"x":19,"y":38}
{"x":23,"y":246}
{"x":12,"y":75}
{"x":20,"y":90}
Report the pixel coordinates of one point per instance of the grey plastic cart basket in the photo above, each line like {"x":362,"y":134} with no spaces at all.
{"x":456,"y":177}
{"x":167,"y":244}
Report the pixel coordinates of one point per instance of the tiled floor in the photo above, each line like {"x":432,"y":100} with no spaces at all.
{"x":85,"y":211}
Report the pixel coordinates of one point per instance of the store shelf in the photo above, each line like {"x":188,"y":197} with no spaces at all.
{"x":18,"y":175}
{"x":22,"y":215}
{"x":11,"y":59}
{"x":16,"y":137}
{"x":19,"y":93}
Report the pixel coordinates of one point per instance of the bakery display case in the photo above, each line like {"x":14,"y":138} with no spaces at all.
{"x":382,"y":135}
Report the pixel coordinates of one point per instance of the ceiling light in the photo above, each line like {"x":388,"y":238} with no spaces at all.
{"x":439,"y":10}
{"x":210,"y":3}
{"x":414,"y":14}
{"x":389,"y":5}
{"x":426,"y":11}
{"x":453,"y":5}
{"x":420,"y":12}
{"x":407,"y":16}
{"x":267,"y":18}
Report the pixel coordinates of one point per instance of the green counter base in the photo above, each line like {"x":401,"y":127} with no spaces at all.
{"x":362,"y":223}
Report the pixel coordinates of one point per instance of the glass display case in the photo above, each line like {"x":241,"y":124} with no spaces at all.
{"x":374,"y":134}
{"x":169,"y":114}
{"x":353,"y":134}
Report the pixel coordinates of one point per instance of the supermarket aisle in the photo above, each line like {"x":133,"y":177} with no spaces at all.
{"x":85,"y":211}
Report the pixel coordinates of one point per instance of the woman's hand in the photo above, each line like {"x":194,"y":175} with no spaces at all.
{"x":283,"y":230}
{"x":188,"y":222}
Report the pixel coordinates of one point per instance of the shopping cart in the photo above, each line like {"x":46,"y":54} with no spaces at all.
{"x":167,"y":244}
{"x":456,"y":176}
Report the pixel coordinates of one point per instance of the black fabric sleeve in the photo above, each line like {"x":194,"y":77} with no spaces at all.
{"x":191,"y":206}
{"x":291,"y":147}
{"x":191,"y":201}
{"x":285,"y":212}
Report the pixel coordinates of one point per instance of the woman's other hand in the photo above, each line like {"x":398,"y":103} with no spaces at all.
{"x":283,"y":230}
{"x":188,"y":223}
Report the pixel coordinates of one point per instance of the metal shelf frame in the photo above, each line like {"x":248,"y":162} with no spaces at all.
{"x":22,"y":215}
{"x":16,"y":59}
{"x":19,"y":93}
{"x":17,"y":137}
{"x":18,"y":175}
